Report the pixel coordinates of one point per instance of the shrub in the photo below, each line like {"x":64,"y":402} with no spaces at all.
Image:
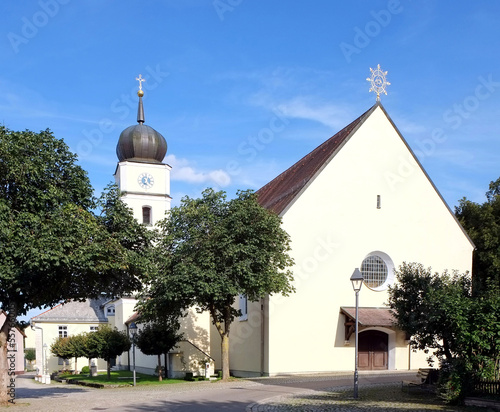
{"x":189,"y":376}
{"x":85,"y":370}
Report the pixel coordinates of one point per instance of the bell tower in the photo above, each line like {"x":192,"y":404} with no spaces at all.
{"x":141,"y":175}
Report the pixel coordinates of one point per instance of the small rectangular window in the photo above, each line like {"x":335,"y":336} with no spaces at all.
{"x":243,"y":307}
{"x":94,"y":328}
{"x":379,"y":205}
{"x":146,"y":215}
{"x":63,"y":331}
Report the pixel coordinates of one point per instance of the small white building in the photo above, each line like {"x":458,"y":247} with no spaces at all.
{"x":63,"y":320}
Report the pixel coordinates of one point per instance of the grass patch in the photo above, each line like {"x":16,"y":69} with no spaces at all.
{"x":383,"y":398}
{"x":121,"y":378}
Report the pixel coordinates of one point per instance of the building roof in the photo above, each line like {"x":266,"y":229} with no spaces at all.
{"x":282,"y":190}
{"x":370,"y":316}
{"x":88,"y":311}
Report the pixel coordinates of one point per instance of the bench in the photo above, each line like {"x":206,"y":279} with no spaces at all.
{"x":426,"y":377}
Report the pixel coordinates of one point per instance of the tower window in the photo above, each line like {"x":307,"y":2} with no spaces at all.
{"x":146,"y":215}
{"x":379,"y":204}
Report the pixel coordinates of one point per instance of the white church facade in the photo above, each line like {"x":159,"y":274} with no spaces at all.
{"x":345,"y":205}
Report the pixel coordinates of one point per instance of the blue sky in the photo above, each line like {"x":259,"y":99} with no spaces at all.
{"x":241,"y":89}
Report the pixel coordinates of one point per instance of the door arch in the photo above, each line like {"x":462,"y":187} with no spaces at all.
{"x":373,"y":350}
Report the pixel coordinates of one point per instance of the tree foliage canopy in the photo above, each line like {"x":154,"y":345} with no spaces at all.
{"x":482,"y":223}
{"x":157,"y":339}
{"x":106,"y":343}
{"x":54,"y":246}
{"x":440,"y":312}
{"x":211,"y":250}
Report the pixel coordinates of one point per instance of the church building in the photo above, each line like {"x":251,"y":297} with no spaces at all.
{"x":359,"y":200}
{"x":347,"y":205}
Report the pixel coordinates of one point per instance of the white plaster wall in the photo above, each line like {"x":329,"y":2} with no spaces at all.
{"x":50,"y":334}
{"x":245,"y":346}
{"x":335,"y":223}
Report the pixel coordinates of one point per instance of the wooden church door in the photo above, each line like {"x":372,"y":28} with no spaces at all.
{"x":373,"y":350}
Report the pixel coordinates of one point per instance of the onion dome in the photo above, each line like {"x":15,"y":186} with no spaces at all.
{"x":141,"y":143}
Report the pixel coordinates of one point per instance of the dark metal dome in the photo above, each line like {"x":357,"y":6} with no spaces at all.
{"x":140,"y":142}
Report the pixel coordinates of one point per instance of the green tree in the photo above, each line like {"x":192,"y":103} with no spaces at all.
{"x":62,"y":348}
{"x":157,"y":339}
{"x":440,"y":313}
{"x":54,"y":246}
{"x":211,"y":250}
{"x":70,"y":347}
{"x":482,"y":223}
{"x":30,"y":356}
{"x":78,"y":346}
{"x":107,"y":343}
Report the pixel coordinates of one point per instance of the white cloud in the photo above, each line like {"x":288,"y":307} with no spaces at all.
{"x":307,"y":108}
{"x":183,"y":171}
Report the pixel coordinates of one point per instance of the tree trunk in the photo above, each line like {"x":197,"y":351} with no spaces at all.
{"x":4,"y":368}
{"x":225,"y":356}
{"x":109,"y":369}
{"x":76,"y":366}
{"x":166,"y":365}
{"x":159,"y":368}
{"x":7,"y":359}
{"x":224,"y":335}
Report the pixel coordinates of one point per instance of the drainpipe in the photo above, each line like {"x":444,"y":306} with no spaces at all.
{"x":262,"y":338}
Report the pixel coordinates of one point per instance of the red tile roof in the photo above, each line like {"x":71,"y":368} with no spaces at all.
{"x":281,"y":191}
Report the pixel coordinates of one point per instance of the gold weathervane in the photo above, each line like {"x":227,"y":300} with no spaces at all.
{"x":140,"y":79}
{"x":378,"y":81}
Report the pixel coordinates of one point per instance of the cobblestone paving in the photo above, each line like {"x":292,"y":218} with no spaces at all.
{"x":34,"y":396}
{"x":340,"y":399}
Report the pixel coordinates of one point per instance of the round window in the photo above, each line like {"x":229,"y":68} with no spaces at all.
{"x":378,"y":271}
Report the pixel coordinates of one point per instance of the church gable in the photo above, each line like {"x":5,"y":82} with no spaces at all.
{"x":364,"y":167}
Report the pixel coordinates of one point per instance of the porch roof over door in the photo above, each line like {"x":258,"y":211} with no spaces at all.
{"x":367,"y":317}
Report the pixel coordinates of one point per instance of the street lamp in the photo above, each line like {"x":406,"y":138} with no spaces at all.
{"x":45,"y":363}
{"x":133,"y":330}
{"x":34,"y":327}
{"x":357,"y":282}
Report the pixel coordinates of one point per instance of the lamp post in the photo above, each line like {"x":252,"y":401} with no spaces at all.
{"x":357,"y":282}
{"x":45,"y":363}
{"x":133,"y":330}
{"x":34,"y":327}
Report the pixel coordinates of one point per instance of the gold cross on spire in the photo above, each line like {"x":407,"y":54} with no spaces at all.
{"x":140,"y":81}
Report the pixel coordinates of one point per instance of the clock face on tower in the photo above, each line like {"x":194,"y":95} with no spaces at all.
{"x":145,"y":180}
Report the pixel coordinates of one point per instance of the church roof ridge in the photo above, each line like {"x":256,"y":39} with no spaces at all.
{"x":280,"y":192}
